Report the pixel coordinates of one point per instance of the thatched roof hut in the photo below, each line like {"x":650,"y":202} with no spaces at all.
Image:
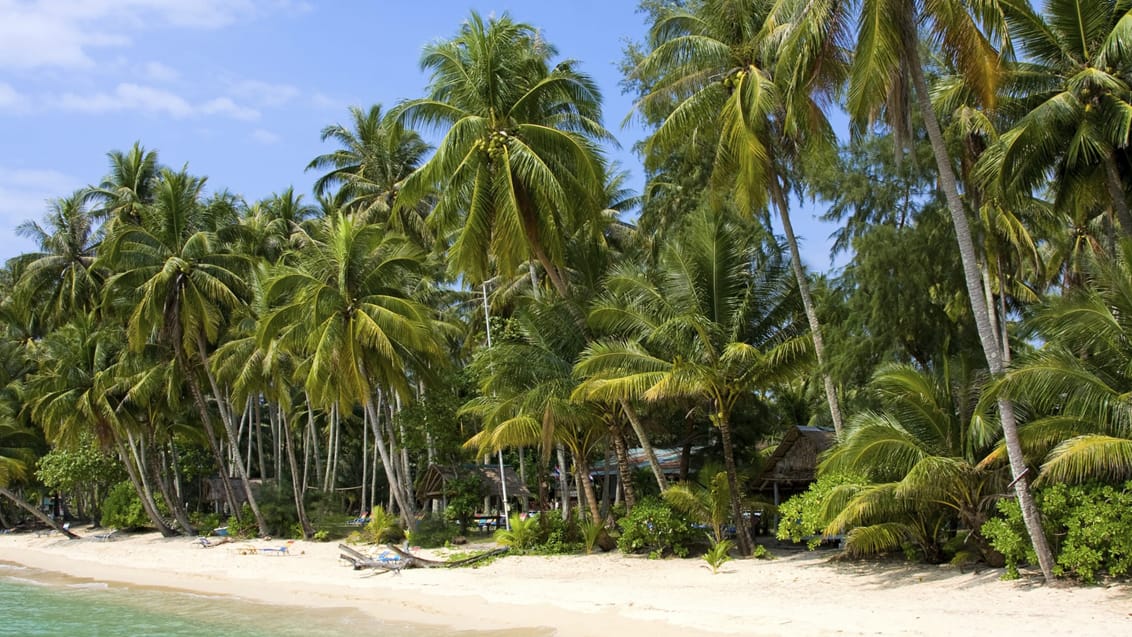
{"x":433,"y":482}
{"x":793,"y":465}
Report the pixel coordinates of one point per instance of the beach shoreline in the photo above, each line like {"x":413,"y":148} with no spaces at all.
{"x":610,"y":594}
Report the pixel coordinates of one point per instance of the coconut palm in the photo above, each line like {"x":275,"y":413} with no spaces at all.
{"x":130,"y":186}
{"x":525,"y":391}
{"x":519,"y":166}
{"x":60,"y":280}
{"x":179,"y":283}
{"x":887,"y":55}
{"x":715,"y":324}
{"x":711,"y":66}
{"x":707,"y":505}
{"x":347,"y":305}
{"x":16,"y":458}
{"x":1076,"y":388}
{"x":919,"y":453}
{"x":377,"y":153}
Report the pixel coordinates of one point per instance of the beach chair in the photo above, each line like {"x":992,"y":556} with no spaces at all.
{"x":279,"y":551}
{"x":106,"y":537}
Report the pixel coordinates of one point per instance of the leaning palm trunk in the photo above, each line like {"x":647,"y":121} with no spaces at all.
{"x":624,"y":472}
{"x":296,"y":485}
{"x":142,"y":490}
{"x":807,"y":302}
{"x":39,"y":515}
{"x":746,"y":544}
{"x":983,"y":324}
{"x":233,"y":439}
{"x":646,"y":445}
{"x":408,"y":513}
{"x":587,"y":486}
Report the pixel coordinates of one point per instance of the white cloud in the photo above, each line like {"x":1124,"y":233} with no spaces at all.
{"x":61,"y":33}
{"x":263,"y":93}
{"x":153,"y":101}
{"x":11,"y":99}
{"x":159,"y":72}
{"x":225,"y":106}
{"x":321,"y":100}
{"x":265,"y":136}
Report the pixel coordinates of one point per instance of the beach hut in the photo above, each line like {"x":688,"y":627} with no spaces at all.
{"x":432,"y":486}
{"x":793,"y":465}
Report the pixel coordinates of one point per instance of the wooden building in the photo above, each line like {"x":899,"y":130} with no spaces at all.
{"x":793,"y":465}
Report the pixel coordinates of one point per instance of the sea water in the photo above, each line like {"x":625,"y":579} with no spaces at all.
{"x":35,"y":603}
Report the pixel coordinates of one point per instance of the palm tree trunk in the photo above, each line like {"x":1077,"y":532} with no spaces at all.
{"x":233,"y":440}
{"x":408,"y":513}
{"x":807,"y":302}
{"x":296,"y":486}
{"x":39,"y":515}
{"x":624,"y":471}
{"x":587,"y":486}
{"x":213,"y":444}
{"x":646,"y":445}
{"x":136,"y":480}
{"x":746,"y":544}
{"x":563,"y":481}
{"x":983,"y":325}
{"x":1116,"y":192}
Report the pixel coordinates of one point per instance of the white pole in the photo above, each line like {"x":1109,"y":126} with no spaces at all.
{"x":502,"y":475}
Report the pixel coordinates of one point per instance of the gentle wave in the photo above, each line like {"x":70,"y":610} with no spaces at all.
{"x":90,"y":585}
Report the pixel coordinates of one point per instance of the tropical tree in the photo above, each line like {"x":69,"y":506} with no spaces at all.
{"x":377,"y":152}
{"x":178,"y":283}
{"x":346,"y":308}
{"x":16,"y":458}
{"x":129,"y":187}
{"x":711,"y":65}
{"x":60,"y":280}
{"x":919,"y":454}
{"x":887,"y":55}
{"x":715,"y":324}
{"x":519,"y":165}
{"x":1076,"y":387}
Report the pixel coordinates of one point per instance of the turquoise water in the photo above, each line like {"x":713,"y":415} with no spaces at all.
{"x":34,"y":603}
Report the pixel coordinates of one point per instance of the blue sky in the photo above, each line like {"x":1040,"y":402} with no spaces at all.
{"x":239,"y":89}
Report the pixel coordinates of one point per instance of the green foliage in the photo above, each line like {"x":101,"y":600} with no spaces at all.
{"x":1087,"y":525}
{"x":655,"y":527}
{"x":205,"y":522}
{"x":591,"y":532}
{"x":801,"y":516}
{"x":383,"y":528}
{"x":761,"y":553}
{"x":245,"y":526}
{"x":67,"y":469}
{"x":710,"y":506}
{"x":523,"y":535}
{"x":122,"y":508}
{"x":719,"y":554}
{"x":465,"y":496}
{"x":432,"y":532}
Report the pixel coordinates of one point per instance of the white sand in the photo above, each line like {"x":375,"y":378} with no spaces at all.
{"x":796,"y":594}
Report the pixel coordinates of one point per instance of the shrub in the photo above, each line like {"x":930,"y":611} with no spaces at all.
{"x":383,"y":528}
{"x":654,"y":527}
{"x":523,"y":534}
{"x":1087,"y":526}
{"x":433,"y":532}
{"x":245,"y":526}
{"x":719,"y":554}
{"x":800,"y":517}
{"x":123,"y":509}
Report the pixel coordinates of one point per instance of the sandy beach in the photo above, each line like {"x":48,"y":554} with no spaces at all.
{"x":798,"y":593}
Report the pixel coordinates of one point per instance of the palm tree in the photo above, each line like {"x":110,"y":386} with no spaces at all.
{"x":1076,"y":388}
{"x":129,"y":187}
{"x":525,"y":391}
{"x":711,"y":66}
{"x":61,"y":281}
{"x":179,"y":283}
{"x":707,"y":505}
{"x":347,"y":306}
{"x":715,"y":325}
{"x":377,"y":153}
{"x":888,"y":54}
{"x":1077,"y":100}
{"x":919,"y":454}
{"x":519,"y":165}
{"x":16,"y":457}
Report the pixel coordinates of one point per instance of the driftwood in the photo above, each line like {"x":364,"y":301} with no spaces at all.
{"x":407,"y":560}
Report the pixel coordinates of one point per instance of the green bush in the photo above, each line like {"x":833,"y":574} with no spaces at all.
{"x":245,"y":526}
{"x":543,"y":534}
{"x":383,"y":528}
{"x":522,"y":536}
{"x":718,"y":555}
{"x":1087,"y":526}
{"x":433,"y":532}
{"x":654,"y":527}
{"x":800,"y":517}
{"x":122,"y":508}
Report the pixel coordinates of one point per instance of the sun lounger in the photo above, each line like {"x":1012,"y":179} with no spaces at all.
{"x":274,"y":550}
{"x":206,"y":543}
{"x":106,"y":537}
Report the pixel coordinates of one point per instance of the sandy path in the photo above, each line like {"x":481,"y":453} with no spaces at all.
{"x":796,"y":594}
